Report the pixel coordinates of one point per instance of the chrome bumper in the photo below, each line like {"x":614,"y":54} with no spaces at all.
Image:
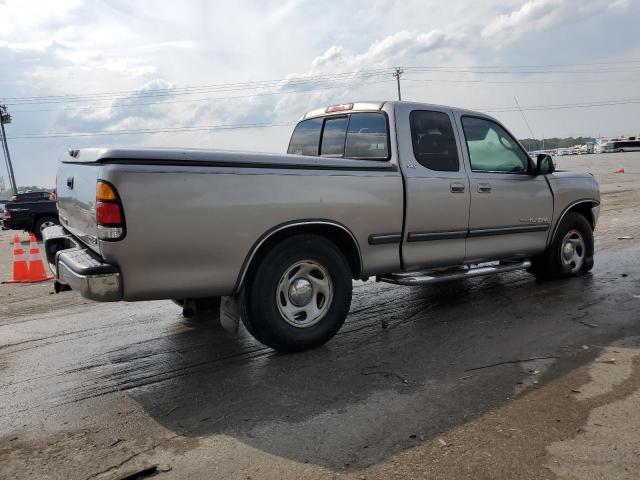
{"x":81,"y":269}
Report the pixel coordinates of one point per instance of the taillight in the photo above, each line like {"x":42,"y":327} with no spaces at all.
{"x":109,"y":212}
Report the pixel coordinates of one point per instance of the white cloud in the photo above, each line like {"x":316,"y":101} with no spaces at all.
{"x":17,"y":15}
{"x":537,"y":15}
{"x":391,"y":50}
{"x":175,"y":45}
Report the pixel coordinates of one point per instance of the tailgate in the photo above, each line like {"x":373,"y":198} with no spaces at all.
{"x":77,"y":200}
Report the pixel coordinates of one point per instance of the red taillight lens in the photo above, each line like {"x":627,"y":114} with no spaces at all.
{"x":108,"y":214}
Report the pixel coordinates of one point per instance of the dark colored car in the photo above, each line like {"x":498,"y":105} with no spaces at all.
{"x":30,"y":211}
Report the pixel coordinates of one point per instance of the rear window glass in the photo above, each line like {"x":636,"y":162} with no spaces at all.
{"x":359,"y":136}
{"x":434,"y":145}
{"x":333,"y":137}
{"x":306,"y":138}
{"x":367,"y":136}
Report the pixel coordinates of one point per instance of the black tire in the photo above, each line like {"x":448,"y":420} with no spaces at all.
{"x":43,"y":223}
{"x":203,"y":307}
{"x":260,"y":310}
{"x":550,"y":264}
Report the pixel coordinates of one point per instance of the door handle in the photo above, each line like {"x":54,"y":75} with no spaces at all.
{"x":484,"y":188}
{"x":457,"y":188}
{"x":70,"y":183}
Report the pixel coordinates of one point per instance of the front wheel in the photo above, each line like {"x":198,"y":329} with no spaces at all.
{"x":571,"y":250}
{"x":299,"y":295}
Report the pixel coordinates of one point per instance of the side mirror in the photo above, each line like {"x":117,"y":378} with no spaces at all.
{"x":544,"y":164}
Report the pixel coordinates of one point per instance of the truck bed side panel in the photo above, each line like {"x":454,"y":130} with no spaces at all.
{"x":190,"y":228}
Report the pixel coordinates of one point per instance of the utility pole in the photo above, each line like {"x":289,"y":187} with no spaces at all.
{"x":5,"y":117}
{"x":397,"y":75}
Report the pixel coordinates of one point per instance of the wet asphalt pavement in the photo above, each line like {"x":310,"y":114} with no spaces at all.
{"x":367,"y":395}
{"x":90,"y":390}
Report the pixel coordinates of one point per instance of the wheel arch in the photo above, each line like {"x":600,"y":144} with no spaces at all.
{"x":333,"y":231}
{"x":584,"y":207}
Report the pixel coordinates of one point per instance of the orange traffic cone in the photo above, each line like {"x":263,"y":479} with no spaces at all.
{"x":20,"y":267}
{"x":620,"y":170}
{"x":36,"y":265}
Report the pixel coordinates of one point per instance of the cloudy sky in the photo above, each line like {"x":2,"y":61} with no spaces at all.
{"x":175,"y":72}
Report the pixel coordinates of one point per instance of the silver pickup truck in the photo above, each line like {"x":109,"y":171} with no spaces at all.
{"x":408,"y":193}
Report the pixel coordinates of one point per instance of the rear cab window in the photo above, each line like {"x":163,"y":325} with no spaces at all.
{"x":354,"y":136}
{"x":434,"y":144}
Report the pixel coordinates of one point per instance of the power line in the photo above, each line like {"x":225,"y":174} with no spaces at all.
{"x":194,"y":100}
{"x":151,"y":131}
{"x":289,"y":81}
{"x":551,"y":65}
{"x":517,"y":72}
{"x":413,"y":80}
{"x":226,"y":87}
{"x":566,"y":106}
{"x":144,"y":131}
{"x":517,"y":82}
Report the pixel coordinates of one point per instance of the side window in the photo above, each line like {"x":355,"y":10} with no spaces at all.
{"x":492,"y":149}
{"x":306,"y":138}
{"x":367,"y":137}
{"x":434,"y":144}
{"x":333,"y":137}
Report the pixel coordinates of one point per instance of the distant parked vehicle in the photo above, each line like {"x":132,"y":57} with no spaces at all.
{"x":31,"y":211}
{"x":632,"y":144}
{"x":2,"y":205}
{"x":600,"y":145}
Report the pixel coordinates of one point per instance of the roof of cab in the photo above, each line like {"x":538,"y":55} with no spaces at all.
{"x":354,"y":106}
{"x":372,"y":106}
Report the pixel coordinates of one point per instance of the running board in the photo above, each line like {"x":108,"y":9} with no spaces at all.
{"x":434,"y":276}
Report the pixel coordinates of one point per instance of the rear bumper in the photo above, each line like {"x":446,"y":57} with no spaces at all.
{"x":81,"y":269}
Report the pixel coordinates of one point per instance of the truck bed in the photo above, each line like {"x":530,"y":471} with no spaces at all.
{"x":192,"y":215}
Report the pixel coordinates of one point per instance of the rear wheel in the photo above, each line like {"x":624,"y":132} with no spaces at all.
{"x":571,"y":251}
{"x":299,"y":295}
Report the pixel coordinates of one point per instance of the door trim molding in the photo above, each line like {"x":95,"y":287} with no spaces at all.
{"x":440,"y":235}
{"x":478,"y":232}
{"x":384,"y":238}
{"x":485,"y":232}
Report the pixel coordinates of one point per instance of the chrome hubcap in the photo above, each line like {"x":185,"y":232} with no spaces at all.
{"x":300,"y":292}
{"x":46,"y":225}
{"x":304,"y":294}
{"x":573,"y":251}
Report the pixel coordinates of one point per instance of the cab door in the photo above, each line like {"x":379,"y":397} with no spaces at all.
{"x":511,"y":206}
{"x":436,"y":187}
